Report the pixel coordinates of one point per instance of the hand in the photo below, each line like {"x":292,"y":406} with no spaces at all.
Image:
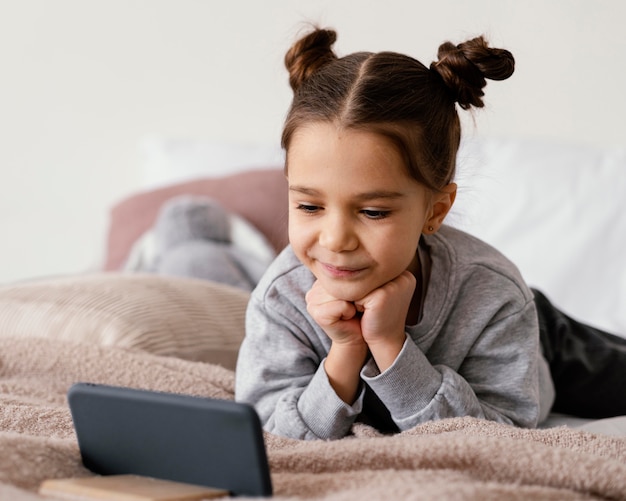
{"x":348,"y":351}
{"x":384,"y":317}
{"x":338,"y":318}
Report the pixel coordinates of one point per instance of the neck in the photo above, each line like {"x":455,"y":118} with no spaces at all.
{"x":420,"y":269}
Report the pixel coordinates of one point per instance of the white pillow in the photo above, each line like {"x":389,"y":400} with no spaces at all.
{"x":167,"y":160}
{"x":558,"y":212}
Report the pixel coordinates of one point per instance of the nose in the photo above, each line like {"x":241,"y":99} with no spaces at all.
{"x":337,"y":234}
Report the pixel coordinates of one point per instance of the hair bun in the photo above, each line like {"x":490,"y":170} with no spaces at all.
{"x":465,"y":67}
{"x":309,"y":54}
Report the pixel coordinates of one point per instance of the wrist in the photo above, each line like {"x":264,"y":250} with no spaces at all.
{"x":349,"y":357}
{"x":386,"y":351}
{"x":343,"y":366}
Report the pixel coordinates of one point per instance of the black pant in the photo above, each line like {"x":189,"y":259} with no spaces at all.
{"x":588,"y":365}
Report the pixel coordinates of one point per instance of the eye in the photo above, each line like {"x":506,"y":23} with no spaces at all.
{"x":308,"y":208}
{"x":375,"y":214}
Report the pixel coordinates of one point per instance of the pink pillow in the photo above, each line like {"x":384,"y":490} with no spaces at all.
{"x":259,"y":196}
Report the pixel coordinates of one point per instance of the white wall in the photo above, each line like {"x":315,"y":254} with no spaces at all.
{"x":84,"y":81}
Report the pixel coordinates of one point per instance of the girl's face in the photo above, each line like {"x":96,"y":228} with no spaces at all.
{"x":355,"y":215}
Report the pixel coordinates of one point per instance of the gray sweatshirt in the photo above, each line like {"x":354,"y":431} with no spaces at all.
{"x":474,"y":352}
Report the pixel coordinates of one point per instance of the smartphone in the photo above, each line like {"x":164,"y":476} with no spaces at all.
{"x":202,"y":441}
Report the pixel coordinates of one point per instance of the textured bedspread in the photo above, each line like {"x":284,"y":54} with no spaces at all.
{"x":451,"y":459}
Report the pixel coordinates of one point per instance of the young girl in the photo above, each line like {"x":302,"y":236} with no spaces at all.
{"x":377,"y":312}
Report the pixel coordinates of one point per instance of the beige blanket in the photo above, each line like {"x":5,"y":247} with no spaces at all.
{"x":451,"y":459}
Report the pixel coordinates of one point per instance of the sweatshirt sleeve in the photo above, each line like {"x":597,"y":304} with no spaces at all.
{"x":280,"y":370}
{"x":494,"y":376}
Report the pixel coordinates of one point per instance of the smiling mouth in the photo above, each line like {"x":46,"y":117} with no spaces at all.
{"x":341,"y":271}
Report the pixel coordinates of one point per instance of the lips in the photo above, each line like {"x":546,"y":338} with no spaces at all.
{"x":341,"y":271}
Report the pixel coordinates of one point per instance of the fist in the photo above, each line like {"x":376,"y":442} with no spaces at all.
{"x":338,"y":318}
{"x":385,"y":310}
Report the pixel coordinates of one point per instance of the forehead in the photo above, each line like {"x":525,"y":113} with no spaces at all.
{"x":354,"y":163}
{"x":325,"y":145}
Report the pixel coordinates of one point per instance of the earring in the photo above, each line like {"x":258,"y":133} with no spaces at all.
{"x":430,"y":228}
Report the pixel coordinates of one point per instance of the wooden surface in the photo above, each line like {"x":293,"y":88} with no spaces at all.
{"x":126,"y":488}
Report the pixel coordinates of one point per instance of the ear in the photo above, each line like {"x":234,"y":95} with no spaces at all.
{"x":440,"y":204}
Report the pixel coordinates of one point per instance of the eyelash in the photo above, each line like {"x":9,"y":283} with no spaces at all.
{"x":308,"y":209}
{"x":376,"y":214}
{"x":369,"y":213}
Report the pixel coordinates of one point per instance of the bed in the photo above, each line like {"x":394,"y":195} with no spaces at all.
{"x":127,"y":325}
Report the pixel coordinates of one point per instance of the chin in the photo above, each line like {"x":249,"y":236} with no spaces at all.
{"x":347,"y":291}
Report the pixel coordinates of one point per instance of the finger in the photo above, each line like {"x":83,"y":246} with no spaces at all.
{"x":317,"y":294}
{"x":330,"y":313}
{"x":407,"y":281}
{"x":402,"y":286}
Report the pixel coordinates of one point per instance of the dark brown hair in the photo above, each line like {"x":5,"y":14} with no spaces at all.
{"x":394,"y":95}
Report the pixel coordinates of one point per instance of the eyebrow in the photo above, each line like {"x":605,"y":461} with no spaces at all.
{"x":368,"y":195}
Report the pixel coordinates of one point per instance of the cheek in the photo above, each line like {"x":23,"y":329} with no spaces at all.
{"x":299,"y":236}
{"x":398,"y":253}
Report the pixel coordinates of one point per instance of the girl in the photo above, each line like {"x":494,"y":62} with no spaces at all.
{"x":377,"y":312}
